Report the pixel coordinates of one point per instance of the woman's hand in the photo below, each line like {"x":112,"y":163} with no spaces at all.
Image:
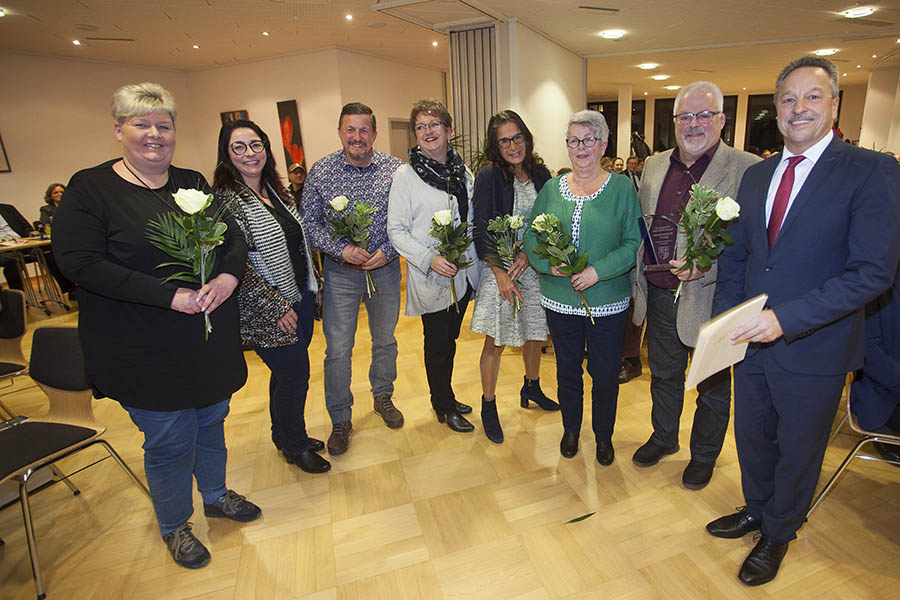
{"x":506,"y":285}
{"x":555,"y":270}
{"x":185,"y":301}
{"x":519,"y":265}
{"x":687,"y":274}
{"x":442,"y":266}
{"x":288,"y":322}
{"x":585,"y":279}
{"x":216,"y":291}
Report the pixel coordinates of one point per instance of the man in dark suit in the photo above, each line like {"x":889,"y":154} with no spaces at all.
{"x":818,"y":233}
{"x":631,"y":171}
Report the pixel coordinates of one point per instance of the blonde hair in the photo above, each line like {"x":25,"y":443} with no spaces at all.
{"x":139,"y":99}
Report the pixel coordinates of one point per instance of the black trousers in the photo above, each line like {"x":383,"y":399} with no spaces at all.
{"x":668,"y":358}
{"x":441,"y":330}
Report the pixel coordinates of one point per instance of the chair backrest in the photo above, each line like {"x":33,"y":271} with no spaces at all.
{"x":12,"y":327}
{"x":57,"y":366}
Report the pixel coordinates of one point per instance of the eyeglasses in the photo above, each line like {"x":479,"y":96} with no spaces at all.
{"x":240,"y":148}
{"x":703,"y":117}
{"x":505,"y":142}
{"x":429,"y":126}
{"x":588,"y":142}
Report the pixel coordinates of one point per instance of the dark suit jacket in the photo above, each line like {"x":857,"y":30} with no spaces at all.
{"x":876,"y":394}
{"x":836,"y":251}
{"x":493,"y":197}
{"x":15,"y":219}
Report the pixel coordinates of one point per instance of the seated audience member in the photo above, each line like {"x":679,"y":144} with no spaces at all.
{"x":875,"y":394}
{"x":13,"y":226}
{"x":52,"y":197}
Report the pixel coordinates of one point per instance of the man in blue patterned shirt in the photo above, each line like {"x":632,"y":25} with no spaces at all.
{"x":362,"y":174}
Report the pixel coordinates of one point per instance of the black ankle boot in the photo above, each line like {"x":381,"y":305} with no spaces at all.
{"x":490,"y":421}
{"x":531,"y":390}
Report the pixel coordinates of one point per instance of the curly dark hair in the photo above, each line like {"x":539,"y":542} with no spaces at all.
{"x":492,"y":149}
{"x":49,"y":191}
{"x":228,"y":177}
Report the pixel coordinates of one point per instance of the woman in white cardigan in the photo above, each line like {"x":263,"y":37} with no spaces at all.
{"x":435,"y":179}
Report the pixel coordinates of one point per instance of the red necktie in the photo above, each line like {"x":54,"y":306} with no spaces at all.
{"x":782,"y":195}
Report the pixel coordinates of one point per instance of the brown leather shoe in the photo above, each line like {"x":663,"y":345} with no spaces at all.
{"x":339,"y":440}
{"x":385,"y":409}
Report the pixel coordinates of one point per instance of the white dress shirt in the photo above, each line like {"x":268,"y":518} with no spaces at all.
{"x":801,"y":172}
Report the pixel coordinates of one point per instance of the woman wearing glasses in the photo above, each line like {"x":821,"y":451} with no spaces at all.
{"x":278,"y":290}
{"x":508,"y":185}
{"x":435,"y":179}
{"x":599,"y":210}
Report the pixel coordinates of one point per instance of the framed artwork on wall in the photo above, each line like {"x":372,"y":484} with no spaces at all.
{"x":291,"y":140}
{"x":233,"y":115}
{"x":4,"y":160}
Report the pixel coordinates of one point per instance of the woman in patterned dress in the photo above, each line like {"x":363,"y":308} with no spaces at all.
{"x":508,"y":185}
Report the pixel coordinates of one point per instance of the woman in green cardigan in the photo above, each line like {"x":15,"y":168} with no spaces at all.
{"x":599,"y":210}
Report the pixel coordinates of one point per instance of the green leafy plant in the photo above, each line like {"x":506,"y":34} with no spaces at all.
{"x":557,"y":247}
{"x":505,"y":245}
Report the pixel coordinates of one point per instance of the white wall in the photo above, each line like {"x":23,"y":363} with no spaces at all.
{"x":54,"y":113}
{"x":881,"y":117}
{"x":548,"y":87}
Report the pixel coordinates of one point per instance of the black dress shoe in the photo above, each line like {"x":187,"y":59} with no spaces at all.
{"x":308,"y":461}
{"x":456,"y":422}
{"x":761,"y":565}
{"x":461,"y":408}
{"x":697,"y":474}
{"x":605,"y":453}
{"x":650,"y":453}
{"x":315,"y":445}
{"x":568,"y":445}
{"x":735,"y":525}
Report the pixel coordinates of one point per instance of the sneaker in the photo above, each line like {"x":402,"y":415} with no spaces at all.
{"x":339,"y":440}
{"x":385,"y":409}
{"x":232,"y":506}
{"x":186,"y":550}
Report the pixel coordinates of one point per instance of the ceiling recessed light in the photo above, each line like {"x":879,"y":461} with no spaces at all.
{"x":745,"y":89}
{"x":673,"y":87}
{"x":859,"y":66}
{"x":844,"y":75}
{"x":434,"y":44}
{"x":825,"y":51}
{"x":647,"y":66}
{"x":76,"y":42}
{"x":874,"y":56}
{"x":660,"y":77}
{"x":646,"y":93}
{"x":265,"y":33}
{"x":349,"y":17}
{"x":857,"y":12}
{"x":196,"y":47}
{"x":612,"y":34}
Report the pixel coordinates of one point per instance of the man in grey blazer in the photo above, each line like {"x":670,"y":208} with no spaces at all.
{"x":672,"y":327}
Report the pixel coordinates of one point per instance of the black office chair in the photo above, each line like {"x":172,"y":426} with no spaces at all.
{"x":12,"y":330}
{"x":57,"y":365}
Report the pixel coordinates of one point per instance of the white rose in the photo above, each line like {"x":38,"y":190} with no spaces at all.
{"x":443,"y":217}
{"x":192,"y":201}
{"x":339,"y":203}
{"x":727,"y":209}
{"x":516,"y":222}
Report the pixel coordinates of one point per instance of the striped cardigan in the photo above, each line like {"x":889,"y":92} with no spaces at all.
{"x":268,"y":289}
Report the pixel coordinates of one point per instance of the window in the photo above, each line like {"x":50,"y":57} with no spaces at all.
{"x":610,"y":110}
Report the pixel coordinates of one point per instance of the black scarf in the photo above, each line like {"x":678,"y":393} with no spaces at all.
{"x":448,"y":177}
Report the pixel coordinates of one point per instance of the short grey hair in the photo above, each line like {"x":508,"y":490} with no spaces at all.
{"x":139,"y":99}
{"x":593,"y":120}
{"x":811,"y":61}
{"x":709,"y":86}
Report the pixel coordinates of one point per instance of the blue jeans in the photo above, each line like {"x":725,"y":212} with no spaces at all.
{"x":289,"y":381}
{"x":344,"y":288}
{"x":571,"y":334}
{"x":178,"y":446}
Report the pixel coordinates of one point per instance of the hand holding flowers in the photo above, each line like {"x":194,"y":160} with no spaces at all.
{"x":557,"y":248}
{"x":189,"y":239}
{"x":454,"y":241}
{"x":505,"y":246}
{"x":703,"y":220}
{"x":354,"y":225}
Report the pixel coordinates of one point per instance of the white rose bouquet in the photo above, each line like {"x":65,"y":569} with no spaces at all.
{"x":354,"y":225}
{"x":505,"y":245}
{"x":189,"y":238}
{"x":559,"y":250}
{"x":703,"y":220}
{"x":454,"y":240}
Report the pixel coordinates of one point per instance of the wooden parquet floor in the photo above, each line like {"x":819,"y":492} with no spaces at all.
{"x":422,"y":512}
